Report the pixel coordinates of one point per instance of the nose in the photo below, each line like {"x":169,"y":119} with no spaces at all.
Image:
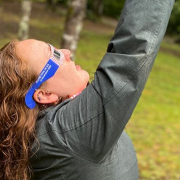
{"x":67,"y":54}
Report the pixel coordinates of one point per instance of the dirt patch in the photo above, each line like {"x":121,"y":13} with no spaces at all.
{"x":170,"y":51}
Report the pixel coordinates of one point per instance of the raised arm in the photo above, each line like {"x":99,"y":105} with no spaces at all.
{"x":92,"y":123}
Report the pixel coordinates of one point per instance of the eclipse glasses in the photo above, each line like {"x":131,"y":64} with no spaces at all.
{"x":56,"y":59}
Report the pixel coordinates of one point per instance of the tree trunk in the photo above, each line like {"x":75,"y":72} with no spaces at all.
{"x":73,"y":25}
{"x":98,"y":6}
{"x":24,"y":23}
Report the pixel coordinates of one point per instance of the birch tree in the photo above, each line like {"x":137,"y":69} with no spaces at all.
{"x":73,"y":25}
{"x":23,"y":32}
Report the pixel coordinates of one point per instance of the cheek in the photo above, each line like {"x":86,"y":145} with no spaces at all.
{"x":78,"y":81}
{"x":72,"y":80}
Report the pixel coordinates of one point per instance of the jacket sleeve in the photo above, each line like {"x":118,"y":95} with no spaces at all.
{"x":91,"y":124}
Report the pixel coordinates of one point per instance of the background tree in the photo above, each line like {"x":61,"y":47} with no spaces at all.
{"x":23,"y":32}
{"x":73,"y":25}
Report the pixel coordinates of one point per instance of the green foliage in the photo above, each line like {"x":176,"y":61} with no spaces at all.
{"x":112,"y":8}
{"x":64,"y":2}
{"x":174,"y":23}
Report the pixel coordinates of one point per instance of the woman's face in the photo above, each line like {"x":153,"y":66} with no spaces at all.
{"x":68,"y":80}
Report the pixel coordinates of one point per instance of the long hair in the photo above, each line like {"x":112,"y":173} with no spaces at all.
{"x":17,"y":122}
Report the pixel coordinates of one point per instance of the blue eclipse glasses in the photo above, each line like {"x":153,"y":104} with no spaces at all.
{"x":56,"y":59}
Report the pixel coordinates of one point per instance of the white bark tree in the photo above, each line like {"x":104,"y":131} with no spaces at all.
{"x":73,"y":25}
{"x":23,"y":32}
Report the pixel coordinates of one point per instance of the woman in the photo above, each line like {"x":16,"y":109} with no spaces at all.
{"x":61,"y":127}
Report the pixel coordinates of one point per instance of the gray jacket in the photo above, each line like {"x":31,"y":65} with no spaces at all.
{"x":84,"y":138}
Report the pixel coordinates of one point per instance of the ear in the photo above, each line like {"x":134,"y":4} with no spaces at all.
{"x":44,"y":97}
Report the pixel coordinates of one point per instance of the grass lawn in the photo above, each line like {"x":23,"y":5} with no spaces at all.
{"x":155,"y":124}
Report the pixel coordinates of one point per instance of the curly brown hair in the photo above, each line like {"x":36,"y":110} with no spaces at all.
{"x":17,"y":122}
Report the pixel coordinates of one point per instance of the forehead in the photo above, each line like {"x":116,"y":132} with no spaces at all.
{"x":36,"y":53}
{"x":32,"y":46}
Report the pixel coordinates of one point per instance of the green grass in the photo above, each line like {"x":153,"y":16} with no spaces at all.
{"x":92,"y":47}
{"x":155,"y":124}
